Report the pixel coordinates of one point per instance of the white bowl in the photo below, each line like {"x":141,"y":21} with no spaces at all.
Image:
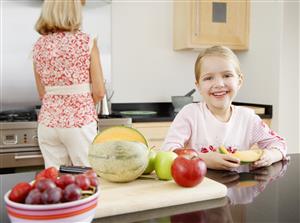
{"x":82,"y":210}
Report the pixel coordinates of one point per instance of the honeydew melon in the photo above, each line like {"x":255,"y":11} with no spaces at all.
{"x":119,"y":161}
{"x":245,"y":156}
{"x":120,"y":133}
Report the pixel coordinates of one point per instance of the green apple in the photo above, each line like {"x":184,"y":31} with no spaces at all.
{"x":163,"y":163}
{"x":151,"y":162}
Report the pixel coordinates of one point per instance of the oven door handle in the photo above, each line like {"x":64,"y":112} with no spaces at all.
{"x":18,"y":157}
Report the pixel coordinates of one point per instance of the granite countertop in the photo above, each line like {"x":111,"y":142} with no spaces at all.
{"x":165,"y":110}
{"x":269,"y":194}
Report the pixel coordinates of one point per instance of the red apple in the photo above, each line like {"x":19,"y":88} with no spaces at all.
{"x":186,"y":151}
{"x":188,"y":171}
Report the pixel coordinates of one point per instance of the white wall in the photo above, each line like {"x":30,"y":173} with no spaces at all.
{"x":18,"y":90}
{"x":144,"y":66}
{"x":288,"y":110}
{"x":146,"y":69}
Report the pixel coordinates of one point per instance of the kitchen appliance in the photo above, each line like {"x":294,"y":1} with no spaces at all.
{"x":19,"y":140}
{"x":104,"y":107}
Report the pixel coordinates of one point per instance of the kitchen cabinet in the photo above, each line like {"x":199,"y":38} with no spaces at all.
{"x":155,"y":132}
{"x":201,"y":24}
{"x":267,"y":121}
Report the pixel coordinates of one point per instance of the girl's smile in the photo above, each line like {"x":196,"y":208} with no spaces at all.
{"x":219,"y":94}
{"x":218,"y":83}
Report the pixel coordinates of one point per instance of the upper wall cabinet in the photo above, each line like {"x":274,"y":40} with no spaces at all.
{"x":200,"y":24}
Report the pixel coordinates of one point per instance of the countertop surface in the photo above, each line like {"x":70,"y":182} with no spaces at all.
{"x":268,"y":194}
{"x":165,"y":110}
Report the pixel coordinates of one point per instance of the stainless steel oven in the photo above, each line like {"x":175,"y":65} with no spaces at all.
{"x":19,"y":140}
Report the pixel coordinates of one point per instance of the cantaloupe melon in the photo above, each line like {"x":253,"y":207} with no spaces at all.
{"x":119,"y":161}
{"x":119,"y":133}
{"x":245,"y":156}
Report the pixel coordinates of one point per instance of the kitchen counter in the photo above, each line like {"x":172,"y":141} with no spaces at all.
{"x":165,"y":110}
{"x":268,"y":194}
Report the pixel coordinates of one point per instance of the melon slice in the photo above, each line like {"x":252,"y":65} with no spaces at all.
{"x":248,"y":156}
{"x":120,"y":133}
{"x":245,"y":156}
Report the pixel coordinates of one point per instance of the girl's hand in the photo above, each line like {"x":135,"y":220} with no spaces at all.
{"x":217,"y":161}
{"x":266,"y":159}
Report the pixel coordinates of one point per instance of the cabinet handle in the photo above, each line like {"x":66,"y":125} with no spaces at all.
{"x":197,"y":26}
{"x":28,"y":157}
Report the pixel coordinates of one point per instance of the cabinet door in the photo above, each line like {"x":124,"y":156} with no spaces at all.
{"x":155,"y":132}
{"x":210,"y":22}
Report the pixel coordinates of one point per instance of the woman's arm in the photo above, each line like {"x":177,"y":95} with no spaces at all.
{"x":98,"y":90}
{"x":39,"y":85}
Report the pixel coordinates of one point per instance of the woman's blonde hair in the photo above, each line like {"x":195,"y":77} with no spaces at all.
{"x":220,"y":51}
{"x":59,"y":15}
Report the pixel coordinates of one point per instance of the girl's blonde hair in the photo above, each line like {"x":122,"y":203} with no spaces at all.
{"x":59,"y":15}
{"x":220,"y":51}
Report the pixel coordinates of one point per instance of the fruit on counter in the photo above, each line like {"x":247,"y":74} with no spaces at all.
{"x":52,"y":195}
{"x":151,"y":161}
{"x":185,"y":151}
{"x":65,"y":180}
{"x":34,"y":197}
{"x":50,"y":172}
{"x":119,"y":161}
{"x":188,"y":170}
{"x":83,"y":181}
{"x":163,"y":163}
{"x":71,"y":193}
{"x":20,"y":192}
{"x":91,"y":174}
{"x":44,"y":184}
{"x":120,"y":133}
{"x":55,"y":190}
{"x":245,"y":156}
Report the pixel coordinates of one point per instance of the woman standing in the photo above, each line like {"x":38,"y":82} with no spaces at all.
{"x":69,"y":81}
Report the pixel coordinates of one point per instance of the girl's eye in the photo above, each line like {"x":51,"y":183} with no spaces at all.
{"x":227,"y":75}
{"x":207,"y":78}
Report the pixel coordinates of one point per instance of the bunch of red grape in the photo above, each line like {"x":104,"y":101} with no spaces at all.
{"x":49,"y":188}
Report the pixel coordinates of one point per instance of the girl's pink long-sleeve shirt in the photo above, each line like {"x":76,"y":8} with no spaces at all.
{"x":196,"y":127}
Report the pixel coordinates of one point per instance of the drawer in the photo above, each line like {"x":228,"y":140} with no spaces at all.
{"x":21,"y":159}
{"x":153,"y":131}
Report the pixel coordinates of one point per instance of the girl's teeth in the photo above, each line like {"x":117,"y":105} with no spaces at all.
{"x":219,"y":93}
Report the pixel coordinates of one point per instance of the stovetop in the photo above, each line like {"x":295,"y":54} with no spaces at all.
{"x":18,"y":116}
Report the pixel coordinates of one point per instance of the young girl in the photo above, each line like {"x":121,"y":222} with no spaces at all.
{"x":207,"y":125}
{"x":69,"y":82}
